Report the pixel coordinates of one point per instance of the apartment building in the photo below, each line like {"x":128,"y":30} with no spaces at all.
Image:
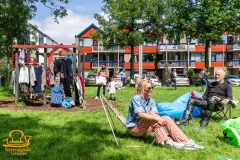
{"x":159,"y":59}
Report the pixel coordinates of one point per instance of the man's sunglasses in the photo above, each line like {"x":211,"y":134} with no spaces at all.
{"x":149,"y":88}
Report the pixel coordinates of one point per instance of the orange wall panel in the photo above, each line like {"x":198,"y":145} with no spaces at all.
{"x":127,"y":65}
{"x":219,"y":48}
{"x":87,"y":65}
{"x":199,"y":65}
{"x":217,"y":64}
{"x":213,"y":64}
{"x":149,"y":65}
{"x":89,"y":33}
{"x":149,"y":49}
{"x":214,"y":48}
{"x":128,"y":50}
{"x":86,"y":49}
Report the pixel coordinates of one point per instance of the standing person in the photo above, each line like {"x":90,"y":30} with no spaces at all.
{"x":203,"y":75}
{"x":143,"y":118}
{"x":122,"y":74}
{"x":105,"y":73}
{"x":210,"y":101}
{"x":112,"y":89}
{"x":173,"y":77}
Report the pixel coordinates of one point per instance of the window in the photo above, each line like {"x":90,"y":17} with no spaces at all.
{"x":144,"y":58}
{"x":196,"y":56}
{"x":80,"y":43}
{"x":149,"y":43}
{"x":28,"y":40}
{"x":41,"y":39}
{"x":203,"y":57}
{"x":216,"y":57}
{"x":87,"y":42}
{"x":88,"y":57}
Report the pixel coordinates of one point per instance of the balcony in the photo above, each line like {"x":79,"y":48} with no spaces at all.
{"x":235,"y":63}
{"x":176,"y":64}
{"x":176,"y":48}
{"x":233,"y":47}
{"x":109,"y":64}
{"x":102,"y":48}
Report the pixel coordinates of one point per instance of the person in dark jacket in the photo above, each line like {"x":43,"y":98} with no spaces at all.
{"x":210,"y":101}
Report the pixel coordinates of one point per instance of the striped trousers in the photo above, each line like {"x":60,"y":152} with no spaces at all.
{"x":144,"y":127}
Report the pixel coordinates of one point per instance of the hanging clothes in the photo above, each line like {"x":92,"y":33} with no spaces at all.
{"x":21,"y":56}
{"x":68,"y":66}
{"x":48,"y":76}
{"x":12,"y":80}
{"x":68,"y":79}
{"x":79,"y":89}
{"x":38,"y":82}
{"x":67,"y":89}
{"x":52,"y":76}
{"x":32,"y":78}
{"x":82,"y":83}
{"x":44,"y":83}
{"x":59,"y":69}
{"x":24,"y":75}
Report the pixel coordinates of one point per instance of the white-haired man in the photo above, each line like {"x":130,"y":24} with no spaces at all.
{"x":210,"y":101}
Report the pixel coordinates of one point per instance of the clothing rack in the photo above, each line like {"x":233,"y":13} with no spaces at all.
{"x":17,"y":47}
{"x":28,"y":63}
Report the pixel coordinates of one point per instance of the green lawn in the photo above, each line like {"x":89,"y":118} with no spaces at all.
{"x":86,"y":135}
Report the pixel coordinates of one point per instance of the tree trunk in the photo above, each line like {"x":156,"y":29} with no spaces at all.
{"x":132,"y":62}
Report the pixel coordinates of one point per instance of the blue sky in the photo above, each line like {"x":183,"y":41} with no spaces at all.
{"x":80,"y":16}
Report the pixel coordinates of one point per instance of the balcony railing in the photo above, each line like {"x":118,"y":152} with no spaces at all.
{"x":176,"y":64}
{"x":180,"y":47}
{"x":102,"y":48}
{"x":233,"y":47}
{"x":235,"y":63}
{"x":109,"y":64}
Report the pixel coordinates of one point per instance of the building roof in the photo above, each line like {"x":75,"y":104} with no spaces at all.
{"x":43,"y":34}
{"x":87,"y":29}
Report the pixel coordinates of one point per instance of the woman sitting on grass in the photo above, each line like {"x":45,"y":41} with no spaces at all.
{"x":143,"y":118}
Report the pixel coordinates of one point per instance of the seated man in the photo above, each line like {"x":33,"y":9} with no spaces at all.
{"x":210,"y":101}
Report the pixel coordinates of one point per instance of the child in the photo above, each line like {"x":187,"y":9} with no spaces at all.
{"x":112,"y":89}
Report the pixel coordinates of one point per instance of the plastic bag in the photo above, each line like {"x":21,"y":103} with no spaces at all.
{"x":68,"y":102}
{"x":100,"y":80}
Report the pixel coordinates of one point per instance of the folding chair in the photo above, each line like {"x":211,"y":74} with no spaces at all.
{"x":227,"y":109}
{"x":107,"y":106}
{"x":222,"y":114}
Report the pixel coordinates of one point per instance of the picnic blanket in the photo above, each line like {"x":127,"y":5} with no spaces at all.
{"x":175,"y":109}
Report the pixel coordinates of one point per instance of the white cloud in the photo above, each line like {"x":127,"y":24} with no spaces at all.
{"x":82,"y":8}
{"x":65,"y":31}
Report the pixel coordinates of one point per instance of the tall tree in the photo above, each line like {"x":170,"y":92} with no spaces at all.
{"x":204,"y":20}
{"x":129,"y":23}
{"x":15,"y":14}
{"x":14,"y":17}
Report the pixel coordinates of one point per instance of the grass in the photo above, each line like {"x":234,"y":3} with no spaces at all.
{"x":86,"y":135}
